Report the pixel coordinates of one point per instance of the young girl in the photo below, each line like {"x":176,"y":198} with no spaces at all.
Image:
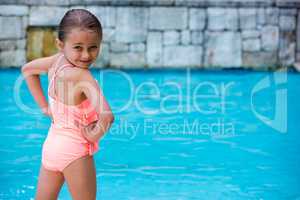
{"x":79,"y":112}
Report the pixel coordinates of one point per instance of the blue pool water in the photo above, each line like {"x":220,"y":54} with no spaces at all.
{"x":178,"y":134}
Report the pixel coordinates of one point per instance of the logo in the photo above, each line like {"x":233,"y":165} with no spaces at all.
{"x":277,"y":81}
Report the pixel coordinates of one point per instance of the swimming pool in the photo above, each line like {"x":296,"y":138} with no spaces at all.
{"x":178,"y":134}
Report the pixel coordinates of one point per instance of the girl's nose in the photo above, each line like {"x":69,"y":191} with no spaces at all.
{"x":85,"y":55}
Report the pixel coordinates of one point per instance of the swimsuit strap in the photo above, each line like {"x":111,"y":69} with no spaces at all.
{"x":52,"y":78}
{"x":57,"y":69}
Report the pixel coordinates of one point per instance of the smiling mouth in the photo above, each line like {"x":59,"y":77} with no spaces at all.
{"x":88,"y":61}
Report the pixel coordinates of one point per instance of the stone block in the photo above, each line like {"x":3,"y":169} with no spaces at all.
{"x":298,"y":57}
{"x":128,"y":60}
{"x":261,"y":16}
{"x":109,"y":35}
{"x":131,"y":24}
{"x":223,"y":49}
{"x":260,"y":59}
{"x":78,"y":7}
{"x":106,"y":15}
{"x":13,"y":10}
{"x":250,"y":34}
{"x":288,"y":56}
{"x":287,"y":48}
{"x":288,"y":11}
{"x":11,"y":28}
{"x":197,"y":19}
{"x":288,"y":3}
{"x":171,"y":37}
{"x":226,"y":3}
{"x":182,"y":56}
{"x":270,"y":38}
{"x":197,"y":37}
{"x":78,"y":2}
{"x":251,"y":44}
{"x":47,"y":2}
{"x":222,"y":18}
{"x":272,"y":16}
{"x":137,"y":47}
{"x":298,"y":32}
{"x":119,"y":47}
{"x":154,"y":49}
{"x":46,"y":15}
{"x":168,"y":18}
{"x":287,"y":23}
{"x":13,"y":58}
{"x":247,"y":18}
{"x":25,"y":22}
{"x":232,"y":19}
{"x":185,"y":37}
{"x":7,"y":45}
{"x":216,"y":19}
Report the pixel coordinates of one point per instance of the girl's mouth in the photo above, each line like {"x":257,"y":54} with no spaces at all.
{"x":88,"y":61}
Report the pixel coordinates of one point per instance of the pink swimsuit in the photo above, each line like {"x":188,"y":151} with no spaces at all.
{"x":65,"y":142}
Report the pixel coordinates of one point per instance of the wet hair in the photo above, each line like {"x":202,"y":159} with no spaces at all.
{"x":78,"y":18}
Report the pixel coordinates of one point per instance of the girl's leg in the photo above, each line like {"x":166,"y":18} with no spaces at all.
{"x":49,"y":184}
{"x":80,"y":176}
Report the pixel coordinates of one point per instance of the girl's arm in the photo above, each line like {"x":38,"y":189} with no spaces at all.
{"x":31,"y":72}
{"x":93,"y":92}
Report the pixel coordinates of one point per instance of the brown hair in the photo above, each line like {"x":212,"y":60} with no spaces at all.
{"x":78,"y":18}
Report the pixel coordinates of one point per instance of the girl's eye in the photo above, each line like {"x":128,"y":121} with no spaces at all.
{"x":77,"y":47}
{"x":93,"y":47}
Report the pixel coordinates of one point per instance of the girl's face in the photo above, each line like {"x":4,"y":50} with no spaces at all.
{"x":81,"y":47}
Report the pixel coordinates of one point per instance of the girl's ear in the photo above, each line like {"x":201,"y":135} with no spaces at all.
{"x":59,"y":44}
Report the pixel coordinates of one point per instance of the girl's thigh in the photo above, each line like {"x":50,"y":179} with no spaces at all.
{"x":80,"y":176}
{"x":49,"y":184}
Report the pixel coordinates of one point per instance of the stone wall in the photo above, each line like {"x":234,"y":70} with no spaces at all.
{"x":168,"y":33}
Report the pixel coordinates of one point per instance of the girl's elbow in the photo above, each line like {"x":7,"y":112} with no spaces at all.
{"x":25,"y":70}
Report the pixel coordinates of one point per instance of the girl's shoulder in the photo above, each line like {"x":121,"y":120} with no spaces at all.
{"x":53,"y":60}
{"x":68,"y":71}
{"x":76,"y":74}
{"x":72,"y":73}
{"x":82,"y":76}
{"x":39,"y":65}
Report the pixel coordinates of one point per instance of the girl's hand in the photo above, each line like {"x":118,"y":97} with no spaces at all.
{"x":88,"y":131}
